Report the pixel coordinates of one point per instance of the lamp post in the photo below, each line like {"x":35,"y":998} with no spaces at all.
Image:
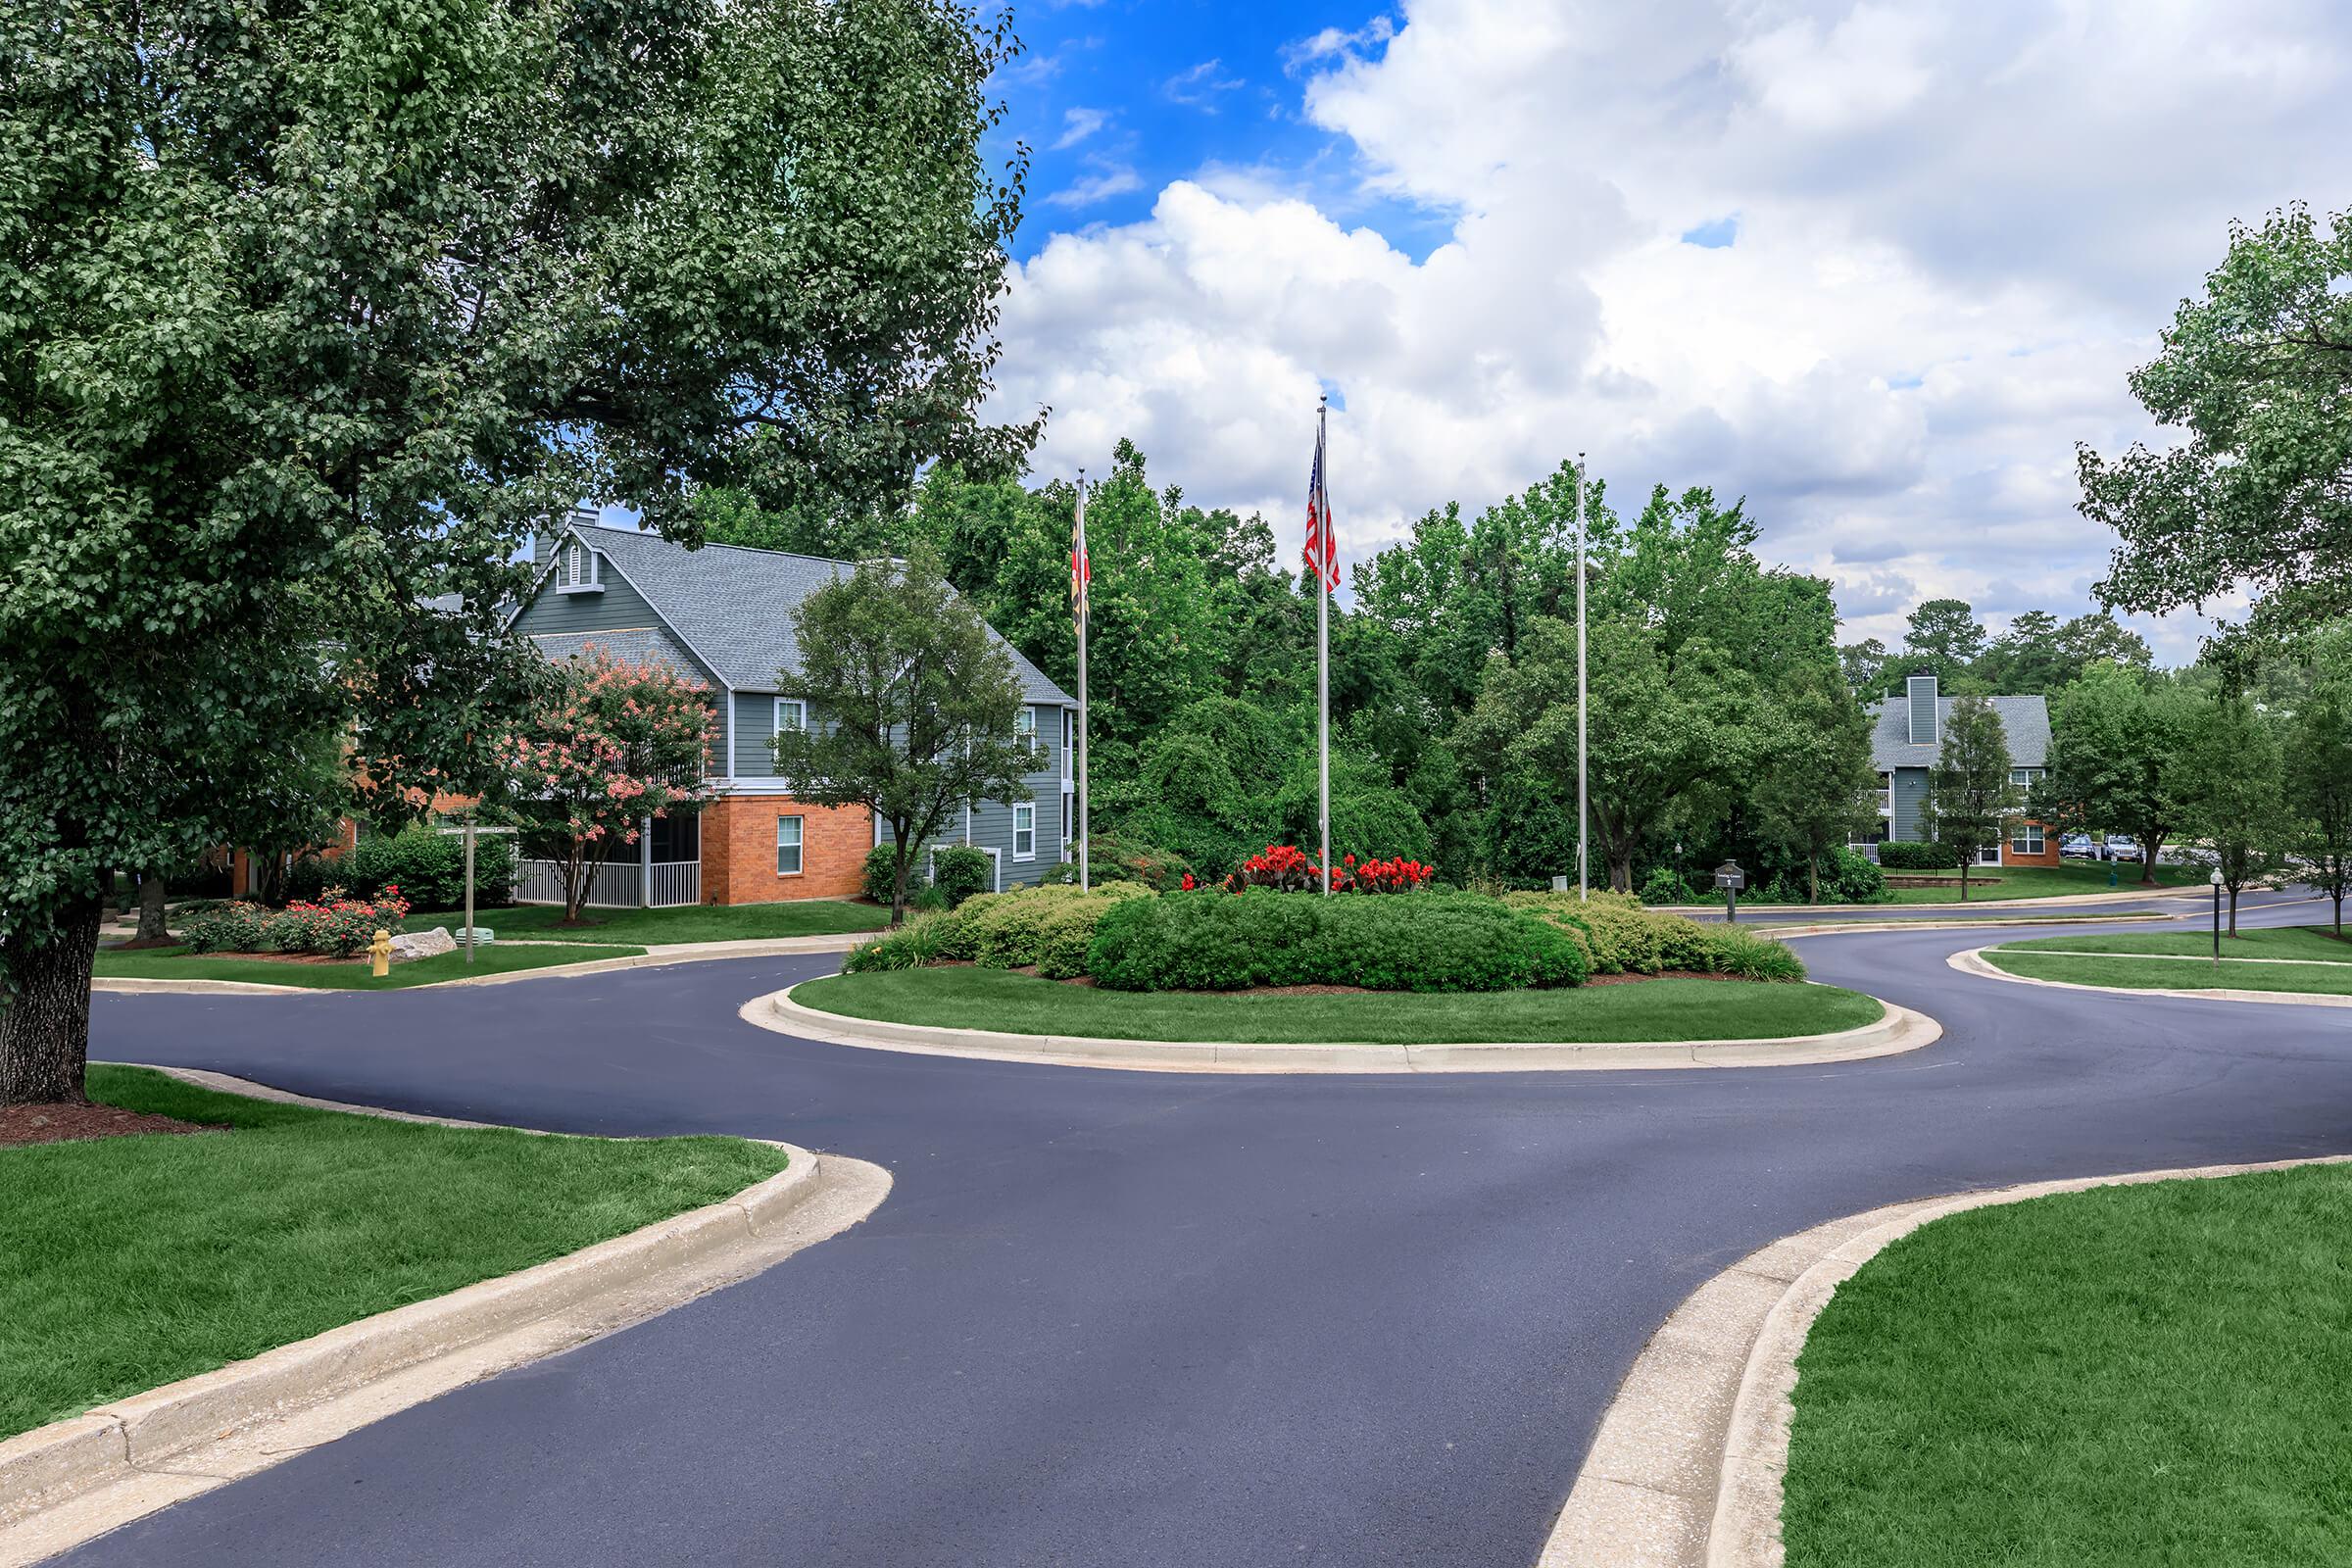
{"x":2217,"y":920}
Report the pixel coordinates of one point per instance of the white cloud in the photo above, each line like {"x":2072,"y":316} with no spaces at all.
{"x":1200,"y":85}
{"x":1956,"y":234}
{"x":1079,"y":124}
{"x":1109,"y":179}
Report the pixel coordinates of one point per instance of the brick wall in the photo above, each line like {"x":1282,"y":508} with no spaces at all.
{"x":739,"y":850}
{"x":2048,"y":855}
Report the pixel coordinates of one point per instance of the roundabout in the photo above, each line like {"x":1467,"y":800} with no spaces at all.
{"x":1125,"y":1317}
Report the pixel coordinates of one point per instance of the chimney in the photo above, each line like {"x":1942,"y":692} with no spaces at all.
{"x":1925,"y":731}
{"x":545,"y":541}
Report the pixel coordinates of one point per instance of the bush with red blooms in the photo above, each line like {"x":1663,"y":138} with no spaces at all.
{"x":1289,"y":869}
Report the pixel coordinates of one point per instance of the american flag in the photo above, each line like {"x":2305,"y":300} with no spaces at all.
{"x":1322,"y":549}
{"x":1082,"y":572}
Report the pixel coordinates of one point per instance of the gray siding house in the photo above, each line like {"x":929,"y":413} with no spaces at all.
{"x":1904,"y":741}
{"x":724,"y":616}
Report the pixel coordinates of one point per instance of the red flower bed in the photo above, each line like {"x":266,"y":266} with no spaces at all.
{"x":1289,"y":869}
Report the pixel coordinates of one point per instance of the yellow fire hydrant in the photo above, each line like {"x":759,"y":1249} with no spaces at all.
{"x":380,"y":951}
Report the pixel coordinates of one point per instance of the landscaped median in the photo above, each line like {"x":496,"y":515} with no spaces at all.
{"x":2291,"y":963}
{"x":248,"y":1259}
{"x":1287,"y":981}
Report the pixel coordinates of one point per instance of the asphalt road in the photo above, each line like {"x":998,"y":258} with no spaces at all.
{"x":1128,"y":1318}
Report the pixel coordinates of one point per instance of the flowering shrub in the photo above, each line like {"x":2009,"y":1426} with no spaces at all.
{"x":337,"y":927}
{"x":1289,"y":869}
{"x":613,"y":745}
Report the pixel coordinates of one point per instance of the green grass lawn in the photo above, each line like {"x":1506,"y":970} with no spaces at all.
{"x":2175,"y":974}
{"x":2314,"y":944}
{"x":177,"y":964}
{"x":1655,"y":1009}
{"x":2131,"y":1377}
{"x":733,"y":923}
{"x":134,"y":1261}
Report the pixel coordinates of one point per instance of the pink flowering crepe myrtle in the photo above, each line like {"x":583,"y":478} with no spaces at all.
{"x":615,"y":744}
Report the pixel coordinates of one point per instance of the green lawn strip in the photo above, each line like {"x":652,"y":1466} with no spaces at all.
{"x":2018,"y":882}
{"x":2308,"y":944}
{"x":2145,"y":974}
{"x":136,"y":1261}
{"x":177,"y":964}
{"x":2123,"y":1378}
{"x":735,"y":922}
{"x":1655,"y":1010}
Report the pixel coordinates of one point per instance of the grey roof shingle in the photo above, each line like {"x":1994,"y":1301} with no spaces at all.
{"x":2025,"y":724}
{"x":733,"y":606}
{"x":634,"y":645}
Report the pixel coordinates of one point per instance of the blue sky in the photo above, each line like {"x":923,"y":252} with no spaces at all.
{"x":1874,"y":267}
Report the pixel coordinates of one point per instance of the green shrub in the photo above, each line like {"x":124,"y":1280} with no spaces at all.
{"x":427,"y":865}
{"x":960,"y":871}
{"x":1666,"y":884}
{"x":1733,"y":951}
{"x":1895,"y":856}
{"x":1115,"y":857}
{"x":226,"y":928}
{"x":1851,"y":878}
{"x":1008,"y":930}
{"x":1625,"y":938}
{"x":919,"y":942}
{"x":1215,"y":941}
{"x":882,"y":866}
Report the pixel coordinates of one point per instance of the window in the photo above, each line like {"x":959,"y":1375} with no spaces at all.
{"x":791,"y":714}
{"x":2025,"y":838}
{"x":1886,"y":795}
{"x":2023,"y":777}
{"x":1990,"y":854}
{"x":1069,"y":733}
{"x":1024,"y":727}
{"x":1024,"y":831}
{"x":574,"y":571}
{"x":787,"y":846}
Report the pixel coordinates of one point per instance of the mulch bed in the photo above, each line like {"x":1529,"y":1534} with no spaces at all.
{"x":20,"y":1125}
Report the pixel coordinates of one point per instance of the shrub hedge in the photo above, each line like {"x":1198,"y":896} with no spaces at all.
{"x":1213,"y":940}
{"x":1624,"y":938}
{"x":427,"y":865}
{"x":1049,"y":926}
{"x":1894,"y":856}
{"x":959,"y":871}
{"x":337,"y":929}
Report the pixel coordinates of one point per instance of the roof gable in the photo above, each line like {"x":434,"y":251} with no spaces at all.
{"x":733,"y":606}
{"x":2025,"y":725}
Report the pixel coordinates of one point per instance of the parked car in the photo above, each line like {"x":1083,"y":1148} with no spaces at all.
{"x":2121,"y":847}
{"x":2078,"y":846}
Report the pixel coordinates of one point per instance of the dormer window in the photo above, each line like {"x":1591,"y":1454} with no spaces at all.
{"x":576,"y":571}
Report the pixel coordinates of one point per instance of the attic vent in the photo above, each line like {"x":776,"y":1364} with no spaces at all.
{"x":577,"y":573}
{"x":576,"y":569}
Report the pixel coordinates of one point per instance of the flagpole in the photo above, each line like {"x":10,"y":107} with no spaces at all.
{"x":1323,"y":656}
{"x":1085,"y":563}
{"x":1582,"y":889}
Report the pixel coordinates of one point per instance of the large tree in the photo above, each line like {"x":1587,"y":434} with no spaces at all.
{"x":2117,"y":737}
{"x":1969,"y":801}
{"x":2319,"y":772}
{"x":913,"y":705}
{"x":2234,"y":796}
{"x":1813,"y":786}
{"x":309,"y":313}
{"x":2257,"y":374}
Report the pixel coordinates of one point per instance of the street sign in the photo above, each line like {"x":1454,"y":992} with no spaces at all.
{"x":1728,"y":877}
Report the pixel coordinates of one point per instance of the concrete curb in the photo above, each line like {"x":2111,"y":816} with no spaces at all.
{"x":76,"y":1479}
{"x":1686,"y":1466}
{"x":1898,"y":1029}
{"x":652,"y":958}
{"x":1973,"y":961}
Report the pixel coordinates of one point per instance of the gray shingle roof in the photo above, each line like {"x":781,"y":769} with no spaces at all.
{"x":733,"y":606}
{"x":2025,"y":724}
{"x":634,"y":645}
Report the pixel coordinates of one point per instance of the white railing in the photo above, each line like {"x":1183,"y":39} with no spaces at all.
{"x":620,"y":883}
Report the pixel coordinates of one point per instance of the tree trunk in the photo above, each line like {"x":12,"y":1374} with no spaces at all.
{"x":2149,"y":844}
{"x":151,"y":933}
{"x":1621,"y":868}
{"x":1812,"y":880}
{"x":45,"y":1015}
{"x":901,"y":860}
{"x":2233,"y":909}
{"x":1966,"y":855}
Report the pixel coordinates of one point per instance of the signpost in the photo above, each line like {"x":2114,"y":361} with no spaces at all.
{"x":1731,"y":879}
{"x":470,"y":830}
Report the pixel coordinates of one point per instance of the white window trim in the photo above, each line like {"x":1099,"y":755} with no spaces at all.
{"x":799,"y":714}
{"x":799,"y":846}
{"x":2021,"y":844}
{"x":578,"y":569}
{"x":1018,"y":807}
{"x":1068,"y":740}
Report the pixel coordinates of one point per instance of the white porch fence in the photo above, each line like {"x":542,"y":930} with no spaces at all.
{"x":619,"y":885}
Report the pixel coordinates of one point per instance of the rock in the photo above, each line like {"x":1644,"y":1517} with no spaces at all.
{"x":422,"y":944}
